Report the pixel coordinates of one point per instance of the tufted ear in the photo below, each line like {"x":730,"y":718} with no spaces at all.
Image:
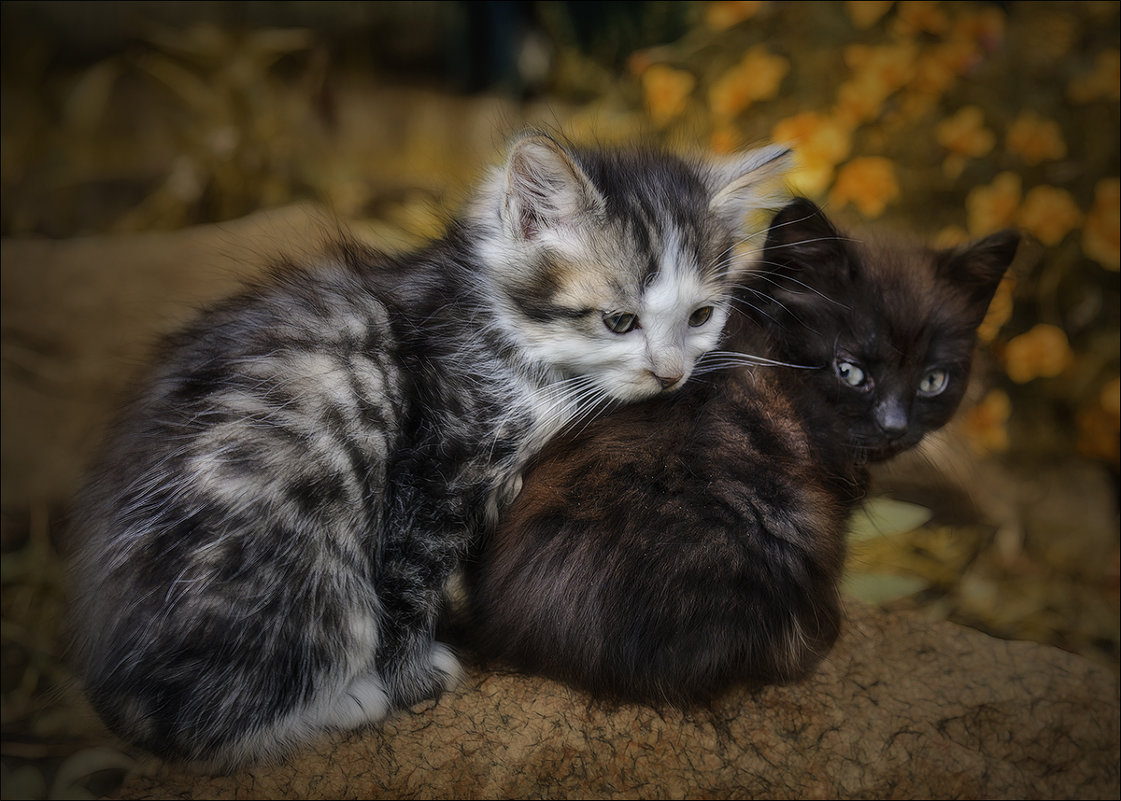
{"x":748,"y":182}
{"x":978,"y":267}
{"x":545,"y":189}
{"x":801,"y":234}
{"x":805,"y":258}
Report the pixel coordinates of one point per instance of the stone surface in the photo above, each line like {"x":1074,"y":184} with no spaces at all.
{"x":902,"y":708}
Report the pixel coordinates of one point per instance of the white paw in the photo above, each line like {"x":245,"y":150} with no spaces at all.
{"x":362,"y":702}
{"x":441,"y":658}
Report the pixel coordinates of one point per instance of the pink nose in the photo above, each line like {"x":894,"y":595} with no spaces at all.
{"x":667,"y":381}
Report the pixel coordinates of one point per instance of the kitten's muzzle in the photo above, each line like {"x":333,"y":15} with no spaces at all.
{"x":667,"y":381}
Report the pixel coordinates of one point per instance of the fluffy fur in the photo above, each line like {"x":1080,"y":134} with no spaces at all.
{"x":890,"y":328}
{"x":260,"y":552}
{"x":687,"y":542}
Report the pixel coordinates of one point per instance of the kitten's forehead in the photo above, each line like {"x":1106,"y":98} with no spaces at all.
{"x":639,"y":268}
{"x":656,"y":201}
{"x":906,"y":304}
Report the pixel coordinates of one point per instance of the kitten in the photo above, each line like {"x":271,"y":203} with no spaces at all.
{"x":262,"y":550}
{"x":681,"y":544}
{"x":892,"y":327}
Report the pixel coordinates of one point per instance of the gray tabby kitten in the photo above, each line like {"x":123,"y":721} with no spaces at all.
{"x":261,"y":551}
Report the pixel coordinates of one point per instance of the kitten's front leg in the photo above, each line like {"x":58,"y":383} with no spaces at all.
{"x":414,"y":570}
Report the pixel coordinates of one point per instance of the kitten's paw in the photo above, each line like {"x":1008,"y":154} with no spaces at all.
{"x":446,"y":664}
{"x":363,"y":701}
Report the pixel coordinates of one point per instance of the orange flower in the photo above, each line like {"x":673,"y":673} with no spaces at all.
{"x":1049,"y":213}
{"x":666,"y":91}
{"x":1103,"y":83}
{"x":890,"y":66}
{"x":1101,"y":236}
{"x":725,"y":139}
{"x":1000,"y":309}
{"x":868,"y":183}
{"x":938,"y":66}
{"x":993,"y":207}
{"x":965,"y":133}
{"x":949,"y":237}
{"x":1042,"y":352}
{"x":921,"y":16}
{"x":720,"y":16}
{"x":986,"y":424}
{"x":1035,"y":139}
{"x":861,"y":98}
{"x":820,"y":144}
{"x":757,"y":77}
{"x":866,"y":13}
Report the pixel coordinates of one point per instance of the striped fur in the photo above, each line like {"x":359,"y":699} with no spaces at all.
{"x":260,"y":552}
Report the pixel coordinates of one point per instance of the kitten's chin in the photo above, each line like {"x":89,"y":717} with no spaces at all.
{"x":644,"y":389}
{"x":878,"y":450}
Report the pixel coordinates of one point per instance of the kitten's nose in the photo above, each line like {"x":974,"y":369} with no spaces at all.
{"x":892,"y":418}
{"x":667,"y":381}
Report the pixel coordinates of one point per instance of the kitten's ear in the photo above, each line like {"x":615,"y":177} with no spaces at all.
{"x":978,"y":267}
{"x":801,"y":234}
{"x":748,"y":182}
{"x":545,"y":188}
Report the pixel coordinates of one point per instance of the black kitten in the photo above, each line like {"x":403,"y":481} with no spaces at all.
{"x":688,"y":542}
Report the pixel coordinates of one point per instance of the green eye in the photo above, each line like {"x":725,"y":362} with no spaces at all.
{"x":933,"y":383}
{"x":850,"y":374}
{"x":620,"y":323}
{"x":700,"y":316}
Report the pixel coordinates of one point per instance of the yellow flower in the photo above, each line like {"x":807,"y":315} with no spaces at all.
{"x":866,"y":13}
{"x":877,"y":73}
{"x":1000,"y":309}
{"x":757,"y":76}
{"x":1101,"y":236}
{"x":868,"y":183}
{"x":1042,"y":352}
{"x":820,"y":143}
{"x":1049,"y":213}
{"x":965,"y":133}
{"x":1103,"y":83}
{"x":1035,"y":139}
{"x":720,"y":16}
{"x":666,"y":91}
{"x":986,"y":424}
{"x":993,"y":207}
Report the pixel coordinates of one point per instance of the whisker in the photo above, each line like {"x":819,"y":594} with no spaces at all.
{"x":732,"y":358}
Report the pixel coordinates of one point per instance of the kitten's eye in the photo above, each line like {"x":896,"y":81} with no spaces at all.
{"x":620,"y":323}
{"x":933,"y":383}
{"x":850,"y":374}
{"x":700,"y":316}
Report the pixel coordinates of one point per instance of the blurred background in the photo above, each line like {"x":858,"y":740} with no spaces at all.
{"x":945,"y":120}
